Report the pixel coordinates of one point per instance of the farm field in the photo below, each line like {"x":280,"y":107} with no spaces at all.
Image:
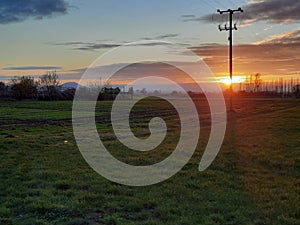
{"x":255,"y":179}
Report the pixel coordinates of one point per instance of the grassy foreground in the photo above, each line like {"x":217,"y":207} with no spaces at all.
{"x":254,"y":179}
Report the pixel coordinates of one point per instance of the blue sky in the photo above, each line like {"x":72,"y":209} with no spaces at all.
{"x":68,"y":35}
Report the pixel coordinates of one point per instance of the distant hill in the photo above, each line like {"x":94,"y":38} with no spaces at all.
{"x":68,"y":85}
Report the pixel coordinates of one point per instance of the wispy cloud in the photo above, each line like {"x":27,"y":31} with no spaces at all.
{"x":12,"y":11}
{"x":71,"y":43}
{"x":188,"y":16}
{"x":164,"y":36}
{"x":271,"y":11}
{"x":95,"y":46}
{"x":160,"y":37}
{"x":92,"y":46}
{"x":86,"y":46}
{"x":33,"y":68}
{"x":290,"y":37}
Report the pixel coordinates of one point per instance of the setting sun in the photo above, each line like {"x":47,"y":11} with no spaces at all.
{"x":235,"y":79}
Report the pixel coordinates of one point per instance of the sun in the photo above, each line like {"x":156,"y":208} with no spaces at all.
{"x":235,"y":79}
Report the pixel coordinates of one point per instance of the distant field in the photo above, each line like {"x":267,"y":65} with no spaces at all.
{"x":255,"y":179}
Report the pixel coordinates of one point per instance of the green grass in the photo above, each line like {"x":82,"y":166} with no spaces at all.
{"x":254,"y":179}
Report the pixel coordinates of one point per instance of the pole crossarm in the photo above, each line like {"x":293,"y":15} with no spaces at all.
{"x":227,"y":28}
{"x":230,"y":10}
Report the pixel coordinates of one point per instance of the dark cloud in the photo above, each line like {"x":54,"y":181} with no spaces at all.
{"x":154,"y":43}
{"x":274,"y":11}
{"x":271,"y":11}
{"x":89,"y":46}
{"x":95,"y":46}
{"x":274,"y":56}
{"x":71,"y":43}
{"x":86,"y":46}
{"x":188,"y":16}
{"x":167,"y":36}
{"x":163,"y":36}
{"x":33,"y":68}
{"x":12,"y":11}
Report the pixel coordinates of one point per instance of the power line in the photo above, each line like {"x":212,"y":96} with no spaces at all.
{"x":220,"y":3}
{"x":230,"y":29}
{"x":209,"y":3}
{"x":233,"y":3}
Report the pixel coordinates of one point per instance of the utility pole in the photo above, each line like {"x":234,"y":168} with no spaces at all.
{"x":230,"y":29}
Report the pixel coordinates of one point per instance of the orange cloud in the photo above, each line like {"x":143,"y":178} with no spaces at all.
{"x":278,"y":55}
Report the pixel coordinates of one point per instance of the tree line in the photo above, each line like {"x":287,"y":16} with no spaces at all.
{"x":46,"y":87}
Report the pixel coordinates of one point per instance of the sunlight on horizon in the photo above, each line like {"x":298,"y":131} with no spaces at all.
{"x":235,"y":79}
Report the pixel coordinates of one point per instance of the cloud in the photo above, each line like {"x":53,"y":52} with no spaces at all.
{"x":33,"y":68}
{"x":134,"y":71}
{"x":95,"y":46}
{"x":86,"y":46}
{"x":167,"y":36}
{"x":20,"y":10}
{"x":271,"y":11}
{"x":90,"y":46}
{"x":149,"y":44}
{"x":163,"y":36}
{"x":277,"y":55}
{"x":71,"y":43}
{"x":290,"y":37}
{"x":80,"y":70}
{"x":188,"y":16}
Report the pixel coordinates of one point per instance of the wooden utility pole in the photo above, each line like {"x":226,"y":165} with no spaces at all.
{"x":230,"y":29}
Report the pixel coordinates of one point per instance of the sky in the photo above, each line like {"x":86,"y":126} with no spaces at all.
{"x":68,"y":35}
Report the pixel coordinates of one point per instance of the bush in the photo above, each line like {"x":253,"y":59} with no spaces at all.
{"x":24,"y":88}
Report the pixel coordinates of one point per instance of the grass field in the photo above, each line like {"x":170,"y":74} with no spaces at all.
{"x":255,"y":179}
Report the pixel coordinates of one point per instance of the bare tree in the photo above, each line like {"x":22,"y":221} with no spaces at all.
{"x":24,"y":87}
{"x":257,"y":82}
{"x":50,"y":79}
{"x":50,"y":82}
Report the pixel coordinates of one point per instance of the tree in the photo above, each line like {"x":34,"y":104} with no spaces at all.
{"x":3,"y":89}
{"x":108,"y":93}
{"x":131,"y":92}
{"x":49,"y":84}
{"x":257,"y":82}
{"x":296,"y":91}
{"x":24,"y":87}
{"x":144,"y":91}
{"x":174,"y":93}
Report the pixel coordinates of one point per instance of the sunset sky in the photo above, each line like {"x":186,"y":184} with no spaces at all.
{"x":68,"y":35}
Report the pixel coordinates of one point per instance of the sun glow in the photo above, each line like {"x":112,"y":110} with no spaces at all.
{"x":235,"y":79}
